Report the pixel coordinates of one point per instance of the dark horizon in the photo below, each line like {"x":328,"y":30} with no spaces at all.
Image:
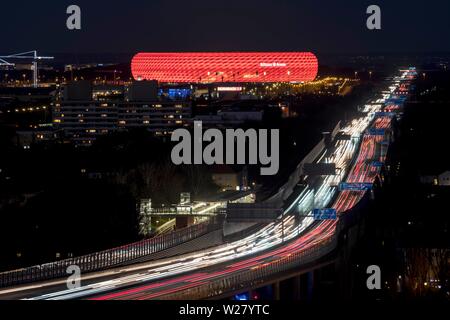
{"x":325,"y":59}
{"x":331,"y":27}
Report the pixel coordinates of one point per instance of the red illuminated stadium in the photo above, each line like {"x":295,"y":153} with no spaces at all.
{"x":225,"y":67}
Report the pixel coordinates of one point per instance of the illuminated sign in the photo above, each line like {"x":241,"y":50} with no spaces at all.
{"x":273,"y":64}
{"x":384,"y":114}
{"x":325,"y":214}
{"x":377,"y":164}
{"x":228,"y":89}
{"x":356,"y":186}
{"x":376,"y":132}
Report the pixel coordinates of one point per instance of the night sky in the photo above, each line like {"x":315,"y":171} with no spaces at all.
{"x":322,"y":26}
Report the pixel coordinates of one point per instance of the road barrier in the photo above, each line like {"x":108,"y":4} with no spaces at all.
{"x":110,"y":258}
{"x":256,"y":276}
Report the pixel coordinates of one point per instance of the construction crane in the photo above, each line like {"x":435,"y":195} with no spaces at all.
{"x":26,"y":55}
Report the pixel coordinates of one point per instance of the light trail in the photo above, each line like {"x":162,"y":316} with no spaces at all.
{"x":190,"y":270}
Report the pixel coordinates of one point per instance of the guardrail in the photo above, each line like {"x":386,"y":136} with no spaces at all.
{"x":187,"y":211}
{"x":256,"y":276}
{"x":107,"y":259}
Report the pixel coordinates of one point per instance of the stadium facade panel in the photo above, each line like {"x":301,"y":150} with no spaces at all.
{"x":208,"y":67}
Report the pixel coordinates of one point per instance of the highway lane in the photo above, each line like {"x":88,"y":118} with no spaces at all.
{"x":362,"y":171}
{"x":194,"y":269}
{"x":268,"y":237}
{"x":322,"y":196}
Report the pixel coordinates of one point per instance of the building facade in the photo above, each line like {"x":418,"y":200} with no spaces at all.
{"x":81,"y":118}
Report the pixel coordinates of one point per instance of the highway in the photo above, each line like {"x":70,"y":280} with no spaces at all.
{"x":154,"y":280}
